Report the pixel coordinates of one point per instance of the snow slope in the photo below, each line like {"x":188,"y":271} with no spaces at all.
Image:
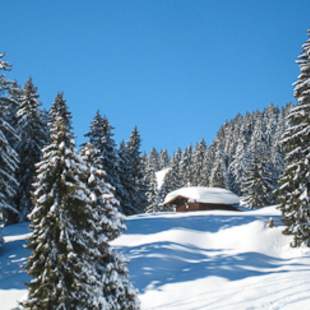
{"x":194,"y":260}
{"x":160,"y":176}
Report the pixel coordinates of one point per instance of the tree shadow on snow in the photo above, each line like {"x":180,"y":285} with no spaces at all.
{"x":13,"y":256}
{"x":160,"y":263}
{"x":210,"y":223}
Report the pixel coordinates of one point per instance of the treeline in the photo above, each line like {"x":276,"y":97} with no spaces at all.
{"x":246,"y":157}
{"x":24,"y":131}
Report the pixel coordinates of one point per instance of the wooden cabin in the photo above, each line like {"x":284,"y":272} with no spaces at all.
{"x":202,"y":198}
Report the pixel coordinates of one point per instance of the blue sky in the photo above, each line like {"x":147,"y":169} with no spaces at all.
{"x":176,"y":69}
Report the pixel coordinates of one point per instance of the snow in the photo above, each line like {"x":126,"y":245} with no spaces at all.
{"x":204,"y":195}
{"x":207,"y":260}
{"x":160,"y":176}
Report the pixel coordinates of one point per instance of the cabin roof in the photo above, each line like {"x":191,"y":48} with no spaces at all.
{"x":212,"y":195}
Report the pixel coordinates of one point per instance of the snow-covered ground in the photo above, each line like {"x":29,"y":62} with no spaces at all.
{"x":160,"y":176}
{"x":194,"y":260}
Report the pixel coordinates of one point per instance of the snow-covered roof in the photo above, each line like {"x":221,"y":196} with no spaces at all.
{"x":204,"y":195}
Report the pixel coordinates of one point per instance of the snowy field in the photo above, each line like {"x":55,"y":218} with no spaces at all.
{"x":198,"y":260}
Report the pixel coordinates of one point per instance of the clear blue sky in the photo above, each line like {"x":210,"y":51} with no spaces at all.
{"x":176,"y":69}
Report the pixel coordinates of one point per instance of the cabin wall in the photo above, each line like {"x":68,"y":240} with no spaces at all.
{"x":188,"y":206}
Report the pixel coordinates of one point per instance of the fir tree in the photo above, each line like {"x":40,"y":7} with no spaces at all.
{"x":4,"y":66}
{"x":258,"y":182}
{"x":186,"y":167}
{"x":164,"y":159}
{"x":126,"y":179}
{"x":154,"y":160}
{"x":33,"y":137}
{"x":133,"y":181}
{"x":74,"y":217}
{"x":8,"y":164}
{"x":100,"y":136}
{"x":8,"y":157}
{"x":198,"y":161}
{"x":295,"y":181}
{"x":218,"y":172}
{"x":172,"y":179}
{"x":111,"y":269}
{"x":151,"y":189}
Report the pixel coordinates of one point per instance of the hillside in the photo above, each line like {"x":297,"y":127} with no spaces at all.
{"x":202,"y":260}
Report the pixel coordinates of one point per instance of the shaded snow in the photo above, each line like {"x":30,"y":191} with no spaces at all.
{"x":204,"y":195}
{"x":195,"y":260}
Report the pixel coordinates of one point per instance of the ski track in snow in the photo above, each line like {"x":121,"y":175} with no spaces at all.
{"x":213,"y":260}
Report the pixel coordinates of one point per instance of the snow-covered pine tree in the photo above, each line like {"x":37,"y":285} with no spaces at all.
{"x":33,"y":136}
{"x":9,"y":161}
{"x":4,"y":66}
{"x":8,"y":157}
{"x":134,"y":181}
{"x":100,"y":136}
{"x":258,"y":182}
{"x":154,"y":160}
{"x":172,"y":179}
{"x":198,"y":161}
{"x":164,"y":159}
{"x":218,"y":172}
{"x":111,"y":268}
{"x":295,"y":182}
{"x":151,"y":189}
{"x":125,"y":179}
{"x":186,"y":167}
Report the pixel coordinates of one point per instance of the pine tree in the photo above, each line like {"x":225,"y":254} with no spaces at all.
{"x":100,"y":136}
{"x":218,"y":173}
{"x":126,"y":179}
{"x":74,"y":217}
{"x":164,"y":159}
{"x":33,"y":137}
{"x":295,"y":181}
{"x":133,"y":181}
{"x":154,"y":160}
{"x":111,"y":268}
{"x":186,"y":167}
{"x":151,"y":189}
{"x":9,"y":161}
{"x":8,"y":157}
{"x":258,"y":182}
{"x":198,"y":161}
{"x":4,"y":66}
{"x":172,"y":180}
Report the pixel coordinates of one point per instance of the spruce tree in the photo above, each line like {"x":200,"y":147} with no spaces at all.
{"x":172,"y":179}
{"x":100,"y":136}
{"x":198,"y":162}
{"x":258,"y":182}
{"x":126,"y":179}
{"x":151,"y":190}
{"x":218,"y":176}
{"x":295,"y":182}
{"x":9,"y":161}
{"x":111,"y":268}
{"x":154,"y":160}
{"x":133,"y":180}
{"x":33,"y":137}
{"x":187,"y":167}
{"x":72,"y":223}
{"x":164,"y":159}
{"x":8,"y":157}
